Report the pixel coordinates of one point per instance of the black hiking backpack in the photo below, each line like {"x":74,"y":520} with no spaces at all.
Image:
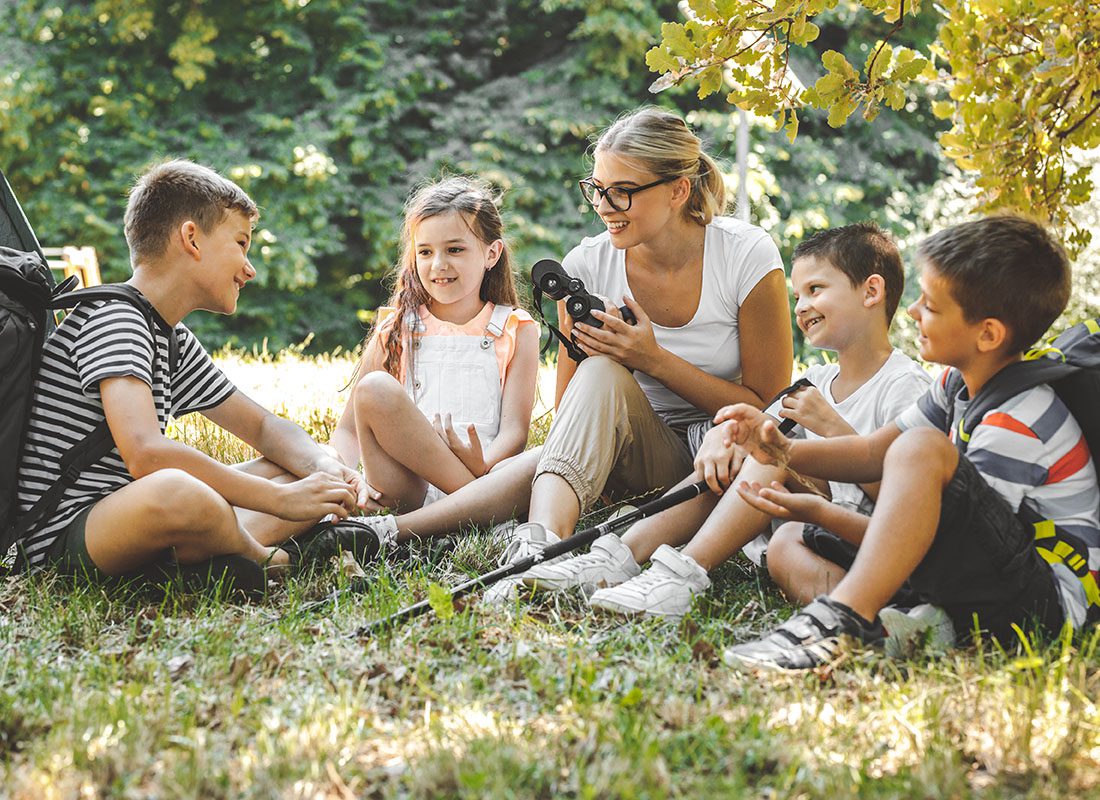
{"x":1070,"y":364}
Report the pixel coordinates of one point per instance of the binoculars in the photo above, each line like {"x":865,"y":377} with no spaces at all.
{"x":549,"y":276}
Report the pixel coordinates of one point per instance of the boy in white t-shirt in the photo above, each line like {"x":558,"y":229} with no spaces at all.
{"x":848,"y":283}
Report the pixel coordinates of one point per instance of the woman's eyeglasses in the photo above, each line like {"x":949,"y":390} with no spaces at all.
{"x":618,"y":197}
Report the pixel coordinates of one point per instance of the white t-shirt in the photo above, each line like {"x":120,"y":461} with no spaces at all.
{"x":898,"y":384}
{"x":736,"y":256}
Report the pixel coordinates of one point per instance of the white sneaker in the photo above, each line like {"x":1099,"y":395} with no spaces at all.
{"x":608,"y":563}
{"x":525,"y":540}
{"x":665,"y":589}
{"x":908,"y":630}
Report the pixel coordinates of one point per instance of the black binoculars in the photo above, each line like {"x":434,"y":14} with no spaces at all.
{"x":549,"y":276}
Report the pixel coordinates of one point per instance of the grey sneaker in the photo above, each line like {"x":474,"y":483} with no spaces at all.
{"x":907,"y":630}
{"x":666,"y":589}
{"x":818,"y":634}
{"x":383,"y":525}
{"x":608,"y":563}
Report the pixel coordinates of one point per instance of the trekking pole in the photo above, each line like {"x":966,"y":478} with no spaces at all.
{"x":574,"y":542}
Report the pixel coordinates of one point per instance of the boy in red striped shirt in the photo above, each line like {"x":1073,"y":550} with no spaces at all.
{"x":957,"y":527}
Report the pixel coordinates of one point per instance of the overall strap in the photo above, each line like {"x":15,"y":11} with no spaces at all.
{"x":498,"y":321}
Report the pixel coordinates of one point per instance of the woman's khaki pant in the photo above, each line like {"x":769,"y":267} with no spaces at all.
{"x":607,"y":437}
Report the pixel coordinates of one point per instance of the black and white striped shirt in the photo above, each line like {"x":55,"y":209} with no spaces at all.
{"x":100,"y":340}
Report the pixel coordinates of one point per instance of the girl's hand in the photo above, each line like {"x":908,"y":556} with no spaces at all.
{"x":755,"y":431}
{"x":334,"y":465}
{"x":312,"y":498}
{"x":718,"y":461}
{"x":779,"y":502}
{"x":370,"y":499}
{"x":470,"y":454}
{"x":633,"y":346}
{"x":809,"y":408}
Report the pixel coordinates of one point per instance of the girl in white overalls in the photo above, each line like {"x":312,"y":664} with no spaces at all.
{"x":446,"y":383}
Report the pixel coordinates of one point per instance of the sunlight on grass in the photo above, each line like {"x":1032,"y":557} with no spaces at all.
{"x":127,"y":695}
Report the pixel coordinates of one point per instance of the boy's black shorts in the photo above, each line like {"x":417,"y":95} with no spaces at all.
{"x":832,"y":548}
{"x":983,"y":562}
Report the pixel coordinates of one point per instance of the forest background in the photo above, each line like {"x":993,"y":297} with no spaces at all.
{"x":330,"y":112}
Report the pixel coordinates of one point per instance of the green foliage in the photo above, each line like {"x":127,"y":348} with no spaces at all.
{"x":1023,"y":80}
{"x":328,"y":113}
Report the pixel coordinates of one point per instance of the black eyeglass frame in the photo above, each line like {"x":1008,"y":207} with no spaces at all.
{"x":630,"y":191}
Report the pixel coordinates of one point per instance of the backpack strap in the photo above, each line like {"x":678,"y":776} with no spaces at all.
{"x":1006,"y":384}
{"x":77,"y":458}
{"x":125,"y":293}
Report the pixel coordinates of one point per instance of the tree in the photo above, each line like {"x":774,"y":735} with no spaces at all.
{"x":1021,"y":80}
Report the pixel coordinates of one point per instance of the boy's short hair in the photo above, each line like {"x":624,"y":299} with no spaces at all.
{"x":172,"y":192}
{"x":859,"y":251}
{"x":1004,"y":267}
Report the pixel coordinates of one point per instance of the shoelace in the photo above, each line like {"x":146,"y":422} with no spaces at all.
{"x":520,"y":548}
{"x":584,"y":562}
{"x":649,"y":578}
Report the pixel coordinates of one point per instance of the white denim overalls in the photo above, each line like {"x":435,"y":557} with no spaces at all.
{"x":460,"y":376}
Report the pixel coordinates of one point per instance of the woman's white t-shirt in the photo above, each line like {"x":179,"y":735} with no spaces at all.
{"x":736,"y":255}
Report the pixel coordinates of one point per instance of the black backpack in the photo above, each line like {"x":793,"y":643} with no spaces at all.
{"x":1070,"y":364}
{"x":26,"y":300}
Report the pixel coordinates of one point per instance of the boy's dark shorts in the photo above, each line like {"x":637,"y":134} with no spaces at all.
{"x":69,"y":552}
{"x":983,"y":562}
{"x":832,"y":548}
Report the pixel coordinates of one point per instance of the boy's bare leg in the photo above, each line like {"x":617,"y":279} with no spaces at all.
{"x":166,"y":509}
{"x":400,"y":449}
{"x":673,"y":526}
{"x":800,"y":572}
{"x":733,"y":523}
{"x":494,"y":497}
{"x":917,"y":469}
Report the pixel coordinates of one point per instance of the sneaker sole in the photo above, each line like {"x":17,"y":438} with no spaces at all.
{"x":609,"y":608}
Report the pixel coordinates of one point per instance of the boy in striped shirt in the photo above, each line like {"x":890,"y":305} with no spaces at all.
{"x":188,"y":230}
{"x":957,"y":527}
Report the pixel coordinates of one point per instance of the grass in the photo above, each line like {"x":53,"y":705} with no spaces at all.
{"x":125,"y":694}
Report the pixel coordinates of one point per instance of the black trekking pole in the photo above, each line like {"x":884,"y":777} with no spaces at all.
{"x":574,"y":542}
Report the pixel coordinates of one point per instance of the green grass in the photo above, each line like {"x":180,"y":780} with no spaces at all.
{"x":125,"y":694}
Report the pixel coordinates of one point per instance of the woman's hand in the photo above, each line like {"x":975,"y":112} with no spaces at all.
{"x":718,"y":460}
{"x":780,"y":503}
{"x":633,"y":346}
{"x":470,"y":454}
{"x":809,"y":408}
